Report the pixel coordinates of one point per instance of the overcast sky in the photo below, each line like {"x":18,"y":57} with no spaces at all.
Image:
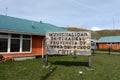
{"x":92,"y":14}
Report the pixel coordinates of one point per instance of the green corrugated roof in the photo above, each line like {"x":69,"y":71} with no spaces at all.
{"x":8,"y":23}
{"x":109,"y":39}
{"x":94,"y":40}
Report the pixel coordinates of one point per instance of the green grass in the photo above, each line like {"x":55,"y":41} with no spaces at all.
{"x":106,"y":67}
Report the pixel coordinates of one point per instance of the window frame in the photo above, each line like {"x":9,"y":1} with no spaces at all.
{"x":21,"y":41}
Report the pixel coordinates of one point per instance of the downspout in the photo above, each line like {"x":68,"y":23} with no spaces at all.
{"x":43,"y":45}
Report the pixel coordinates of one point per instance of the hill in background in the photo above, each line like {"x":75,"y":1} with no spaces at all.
{"x":97,"y":34}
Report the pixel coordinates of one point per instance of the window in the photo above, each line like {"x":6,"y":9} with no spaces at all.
{"x":3,"y":44}
{"x":15,"y":36}
{"x":26,"y":43}
{"x":3,"y":35}
{"x":15,"y":43}
{"x":27,"y":36}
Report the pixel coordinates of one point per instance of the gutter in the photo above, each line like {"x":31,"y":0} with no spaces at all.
{"x":20,"y":32}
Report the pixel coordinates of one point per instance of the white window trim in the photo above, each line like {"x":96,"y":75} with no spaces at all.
{"x":21,"y":40}
{"x":31,"y":44}
{"x":9,"y":42}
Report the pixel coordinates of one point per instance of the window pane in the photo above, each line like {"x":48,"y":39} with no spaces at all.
{"x":26,"y":36}
{"x":15,"y":45}
{"x":3,"y":45}
{"x":15,"y":36}
{"x":26,"y":45}
{"x":3,"y":35}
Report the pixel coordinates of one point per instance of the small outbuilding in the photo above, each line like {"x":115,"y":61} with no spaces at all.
{"x":107,"y":42}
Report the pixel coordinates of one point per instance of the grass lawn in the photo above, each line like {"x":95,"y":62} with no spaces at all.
{"x":106,"y":67}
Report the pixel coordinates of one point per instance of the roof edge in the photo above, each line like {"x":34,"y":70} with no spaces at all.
{"x":20,"y":32}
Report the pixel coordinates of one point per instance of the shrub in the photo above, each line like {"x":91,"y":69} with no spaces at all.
{"x":4,"y":59}
{"x":1,"y":57}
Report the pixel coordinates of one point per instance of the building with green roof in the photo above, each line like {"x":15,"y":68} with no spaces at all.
{"x":21,"y":37}
{"x":108,"y":42}
{"x":109,"y":39}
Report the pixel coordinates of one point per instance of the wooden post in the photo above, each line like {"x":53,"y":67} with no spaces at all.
{"x":47,"y":49}
{"x":75,"y":56}
{"x":109,"y":50}
{"x":89,"y":61}
{"x":46,"y":60}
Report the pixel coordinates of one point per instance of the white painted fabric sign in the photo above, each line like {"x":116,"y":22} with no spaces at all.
{"x":68,"y":43}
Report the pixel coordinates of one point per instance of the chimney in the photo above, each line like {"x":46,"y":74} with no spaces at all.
{"x":41,"y":22}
